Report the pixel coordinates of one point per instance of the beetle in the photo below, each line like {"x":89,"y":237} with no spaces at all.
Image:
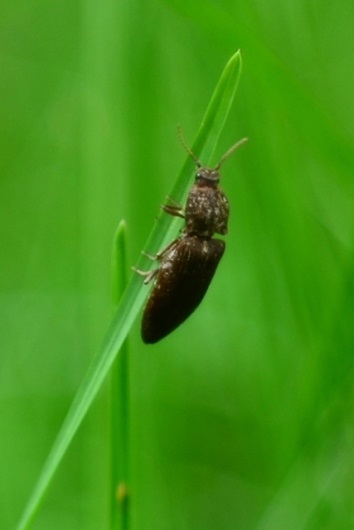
{"x":188,"y":264}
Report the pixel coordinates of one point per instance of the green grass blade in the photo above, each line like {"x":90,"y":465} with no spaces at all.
{"x":119,"y":390}
{"x":119,"y":263}
{"x":135,"y":293}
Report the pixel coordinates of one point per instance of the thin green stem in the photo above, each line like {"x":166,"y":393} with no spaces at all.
{"x":119,"y":398}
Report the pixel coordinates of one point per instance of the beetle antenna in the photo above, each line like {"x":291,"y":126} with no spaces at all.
{"x":181,"y":139}
{"x":230,"y":151}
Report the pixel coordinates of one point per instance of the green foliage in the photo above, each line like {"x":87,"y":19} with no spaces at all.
{"x":133,"y":296}
{"x":242,"y":418}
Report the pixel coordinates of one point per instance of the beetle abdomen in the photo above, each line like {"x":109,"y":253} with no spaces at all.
{"x":185,"y":273}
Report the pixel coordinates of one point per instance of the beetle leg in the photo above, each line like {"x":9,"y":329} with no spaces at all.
{"x":174,"y":208}
{"x":149,"y":275}
{"x":164,"y":251}
{"x":150,"y":256}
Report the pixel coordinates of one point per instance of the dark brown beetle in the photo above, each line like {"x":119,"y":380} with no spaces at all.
{"x":188,"y":264}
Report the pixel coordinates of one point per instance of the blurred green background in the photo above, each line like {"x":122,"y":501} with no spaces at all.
{"x":243,"y":418}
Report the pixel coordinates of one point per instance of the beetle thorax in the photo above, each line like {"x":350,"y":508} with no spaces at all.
{"x":207,"y":210}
